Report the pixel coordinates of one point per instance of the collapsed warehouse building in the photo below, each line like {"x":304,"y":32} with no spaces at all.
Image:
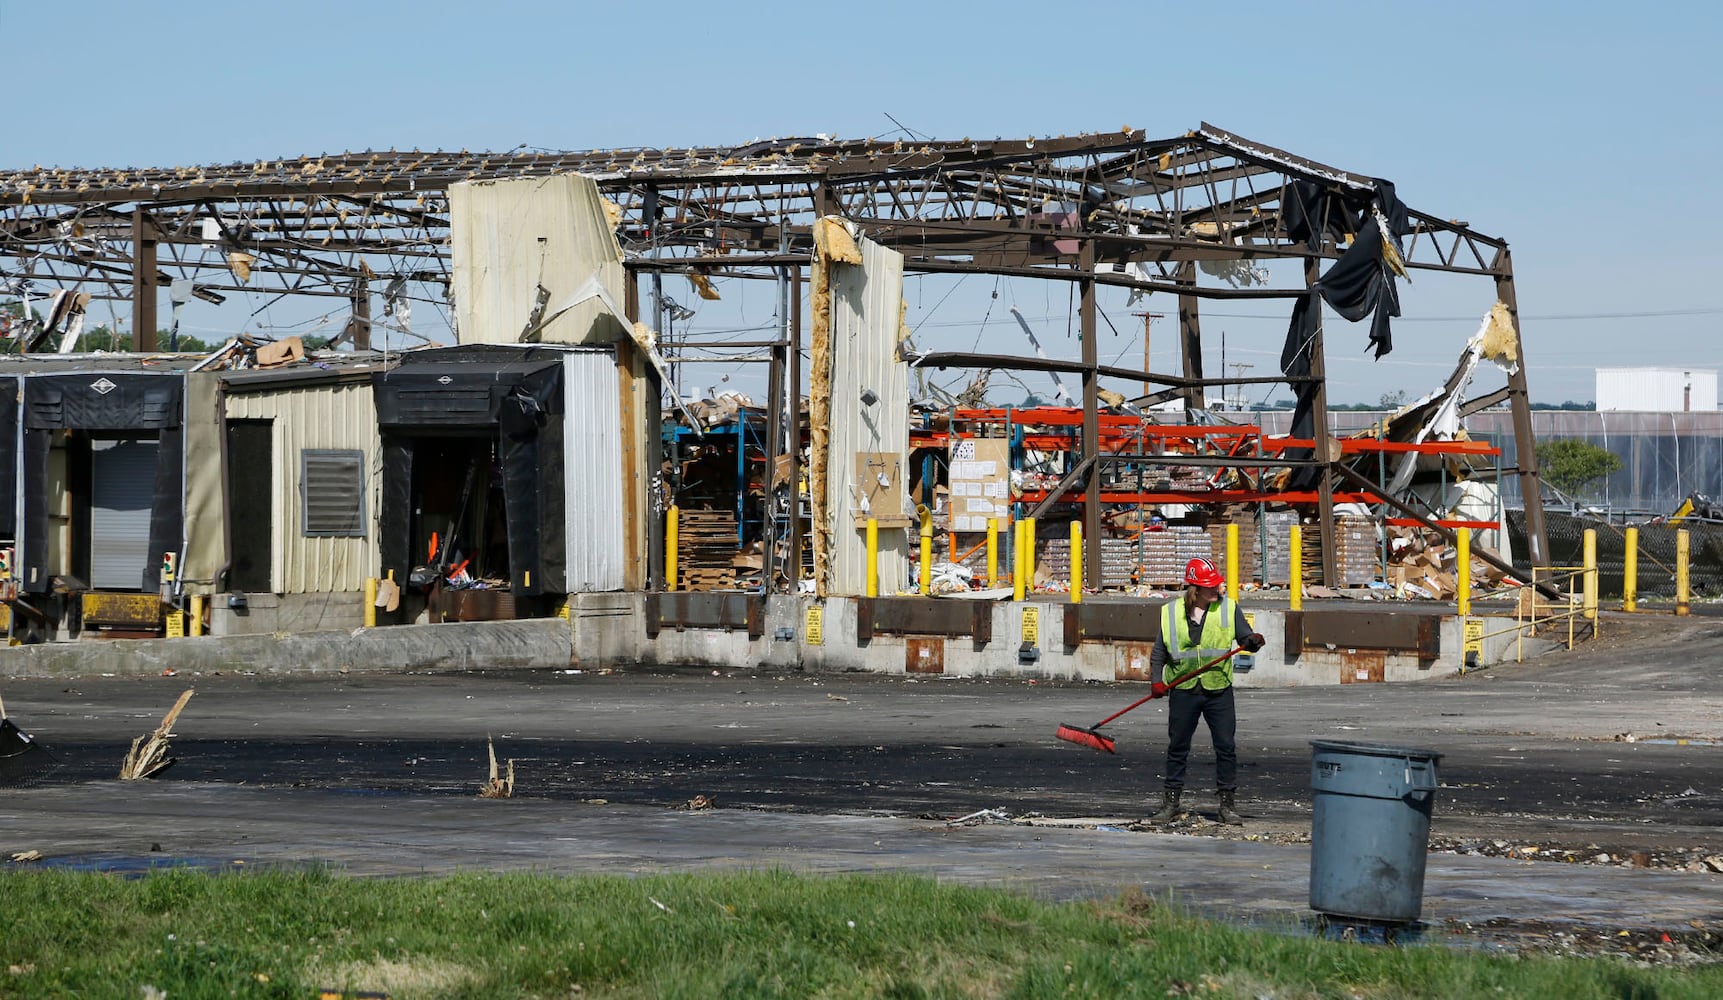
{"x":569,"y":251}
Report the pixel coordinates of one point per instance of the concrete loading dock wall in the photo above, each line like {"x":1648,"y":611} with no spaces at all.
{"x":1341,"y":645}
{"x":615,"y":631}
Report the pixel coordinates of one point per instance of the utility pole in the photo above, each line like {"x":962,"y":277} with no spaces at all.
{"x":1239,"y":368}
{"x":1148,"y":318}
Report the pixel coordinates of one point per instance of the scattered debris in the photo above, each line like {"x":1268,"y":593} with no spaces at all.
{"x":700,"y":802}
{"x":148,"y":756}
{"x":21,"y":857}
{"x":981,"y":816}
{"x":498,"y":787}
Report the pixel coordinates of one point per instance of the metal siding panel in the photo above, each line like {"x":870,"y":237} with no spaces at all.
{"x":339,"y":417}
{"x":1657,"y":390}
{"x":867,"y":304}
{"x":509,"y":236}
{"x":592,"y":441}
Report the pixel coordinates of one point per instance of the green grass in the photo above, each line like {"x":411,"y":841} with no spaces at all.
{"x":288,"y":934}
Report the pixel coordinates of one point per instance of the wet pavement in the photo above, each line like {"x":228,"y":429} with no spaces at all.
{"x":1580,"y":796}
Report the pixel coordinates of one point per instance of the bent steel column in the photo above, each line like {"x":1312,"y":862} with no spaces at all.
{"x":1191,"y":340}
{"x":1091,"y":422}
{"x":1525,"y":441}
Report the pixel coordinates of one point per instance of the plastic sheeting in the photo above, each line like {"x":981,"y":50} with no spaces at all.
{"x":522,"y":245}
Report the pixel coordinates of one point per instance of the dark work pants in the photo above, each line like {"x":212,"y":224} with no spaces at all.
{"x":1184,"y":708}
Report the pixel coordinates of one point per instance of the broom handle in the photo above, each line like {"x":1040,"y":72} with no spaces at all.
{"x":1175,"y":682}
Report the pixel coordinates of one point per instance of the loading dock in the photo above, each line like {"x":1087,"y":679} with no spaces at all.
{"x":102,"y":500}
{"x":472,"y":507}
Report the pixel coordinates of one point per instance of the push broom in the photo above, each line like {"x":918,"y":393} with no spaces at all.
{"x":1096,"y":741}
{"x":22,"y":759}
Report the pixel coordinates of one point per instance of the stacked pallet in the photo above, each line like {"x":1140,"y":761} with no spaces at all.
{"x":1358,"y":558}
{"x":1276,"y":533}
{"x":1166,"y":552}
{"x":1249,"y":561}
{"x":1118,"y":561}
{"x":705,"y":548}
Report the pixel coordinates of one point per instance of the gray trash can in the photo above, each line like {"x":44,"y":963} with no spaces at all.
{"x":1370,"y":829}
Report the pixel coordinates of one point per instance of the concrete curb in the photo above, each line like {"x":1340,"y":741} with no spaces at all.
{"x":534,"y":644}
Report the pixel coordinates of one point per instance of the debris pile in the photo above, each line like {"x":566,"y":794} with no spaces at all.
{"x":1422,"y":566}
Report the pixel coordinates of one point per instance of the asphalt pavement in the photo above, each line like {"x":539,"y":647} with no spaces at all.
{"x":1579,"y":790}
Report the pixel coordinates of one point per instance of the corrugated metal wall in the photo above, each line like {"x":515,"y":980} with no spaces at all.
{"x":340,"y":416}
{"x":592,"y":436}
{"x":867,"y":309}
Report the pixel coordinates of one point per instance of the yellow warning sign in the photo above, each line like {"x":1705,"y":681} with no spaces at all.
{"x":176,"y":625}
{"x":1032,"y":625}
{"x":1474,"y":633}
{"x":815,"y":630}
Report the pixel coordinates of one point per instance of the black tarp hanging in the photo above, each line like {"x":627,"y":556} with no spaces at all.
{"x":1359,"y":284}
{"x":125,"y":404}
{"x":8,"y":458}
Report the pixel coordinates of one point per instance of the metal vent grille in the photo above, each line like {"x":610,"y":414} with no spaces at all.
{"x":332,"y":493}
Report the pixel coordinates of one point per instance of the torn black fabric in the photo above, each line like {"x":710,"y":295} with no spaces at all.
{"x":1393,"y":209}
{"x":1313,"y":212}
{"x":1360,"y":284}
{"x":1295,"y":354}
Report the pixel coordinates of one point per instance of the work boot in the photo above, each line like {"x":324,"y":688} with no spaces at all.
{"x":1169,"y":809}
{"x":1229,"y":813}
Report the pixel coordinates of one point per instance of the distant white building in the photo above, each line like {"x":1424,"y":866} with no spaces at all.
{"x":1657,"y":390}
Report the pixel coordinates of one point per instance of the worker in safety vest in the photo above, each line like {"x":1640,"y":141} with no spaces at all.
{"x":1197,"y":628}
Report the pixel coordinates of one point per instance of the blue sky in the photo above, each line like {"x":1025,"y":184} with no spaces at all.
{"x":1584,"y":133}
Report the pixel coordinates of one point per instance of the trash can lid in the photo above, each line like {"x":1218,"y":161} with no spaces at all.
{"x":1374,"y":749}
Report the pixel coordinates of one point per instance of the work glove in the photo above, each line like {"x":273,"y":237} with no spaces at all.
{"x":1158,"y":690}
{"x":1253,"y":642}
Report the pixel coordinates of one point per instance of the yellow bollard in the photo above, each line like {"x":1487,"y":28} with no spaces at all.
{"x":672,"y":528}
{"x":1463,"y":569}
{"x":992,"y":552}
{"x":1297,"y":568}
{"x":1682,"y":550}
{"x":926,"y":549}
{"x":197,"y":602}
{"x":1017,"y":560}
{"x":872,"y":557}
{"x":1630,"y":572}
{"x":370,"y":603}
{"x":1029,"y":555}
{"x":1588,"y":599}
{"x":1232,"y":563}
{"x":1076,"y":562}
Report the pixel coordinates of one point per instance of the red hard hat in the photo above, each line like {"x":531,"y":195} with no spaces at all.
{"x":1200,"y":572}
